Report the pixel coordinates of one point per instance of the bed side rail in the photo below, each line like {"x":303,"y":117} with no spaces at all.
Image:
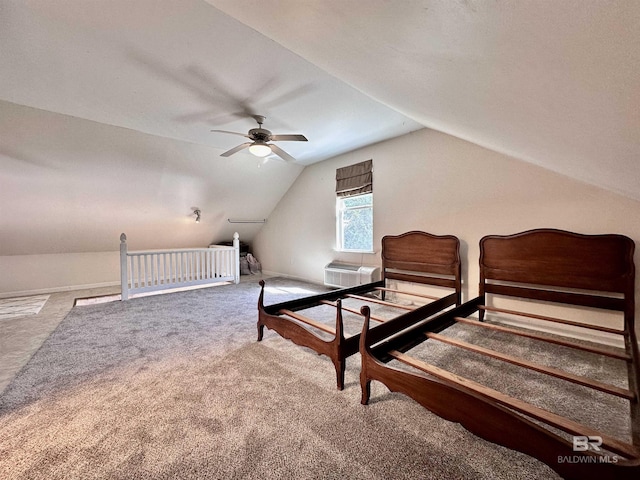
{"x":315,"y":300}
{"x":402,"y":335}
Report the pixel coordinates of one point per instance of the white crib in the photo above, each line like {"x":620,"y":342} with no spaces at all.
{"x":156,"y":270}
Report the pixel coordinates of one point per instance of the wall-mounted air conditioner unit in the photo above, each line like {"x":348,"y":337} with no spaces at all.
{"x":342,"y":275}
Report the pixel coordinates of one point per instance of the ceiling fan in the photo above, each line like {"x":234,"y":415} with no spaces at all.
{"x":260,"y":138}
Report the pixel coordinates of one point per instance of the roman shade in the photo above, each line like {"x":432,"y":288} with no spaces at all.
{"x":355,"y":179}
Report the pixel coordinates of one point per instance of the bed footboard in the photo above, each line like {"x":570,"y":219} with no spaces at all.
{"x":283,"y":319}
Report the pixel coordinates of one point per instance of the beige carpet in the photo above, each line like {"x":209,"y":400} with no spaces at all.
{"x":176,"y":386}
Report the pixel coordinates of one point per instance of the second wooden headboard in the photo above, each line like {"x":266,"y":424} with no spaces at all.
{"x":422,"y":258}
{"x":556,"y":260}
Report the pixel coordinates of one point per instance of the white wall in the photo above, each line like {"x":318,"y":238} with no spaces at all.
{"x":443,"y":185}
{"x":69,"y":187}
{"x":31,"y":274}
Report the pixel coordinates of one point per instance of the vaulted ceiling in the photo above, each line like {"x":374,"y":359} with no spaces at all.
{"x":555,"y":83}
{"x":178,"y":69}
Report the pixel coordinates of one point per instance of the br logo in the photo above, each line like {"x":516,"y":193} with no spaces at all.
{"x":583,"y":443}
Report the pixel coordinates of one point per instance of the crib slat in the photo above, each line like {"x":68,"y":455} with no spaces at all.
{"x":182,"y":277}
{"x":136,"y":263}
{"x":203,"y":255}
{"x":209,"y":263}
{"x":189,"y":266}
{"x":198,"y":265}
{"x":185,"y":265}
{"x":168,"y":278}
{"x":164,"y":268}
{"x":192,"y":267}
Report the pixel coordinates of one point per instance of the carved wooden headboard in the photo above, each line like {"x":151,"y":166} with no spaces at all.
{"x":422,"y":258}
{"x":557,"y":260}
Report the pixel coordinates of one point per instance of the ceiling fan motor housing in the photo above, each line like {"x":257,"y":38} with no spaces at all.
{"x":260,"y":134}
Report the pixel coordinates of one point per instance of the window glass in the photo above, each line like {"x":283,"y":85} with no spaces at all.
{"x":355,"y":223}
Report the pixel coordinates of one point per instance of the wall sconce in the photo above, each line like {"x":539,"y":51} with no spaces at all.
{"x":197,"y":212}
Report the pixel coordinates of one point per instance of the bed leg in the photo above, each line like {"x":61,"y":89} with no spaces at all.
{"x":340,"y":368}
{"x":365,"y":382}
{"x":260,"y":331}
{"x":631,"y":345}
{"x":260,"y":310}
{"x":365,"y":386}
{"x":339,"y":360}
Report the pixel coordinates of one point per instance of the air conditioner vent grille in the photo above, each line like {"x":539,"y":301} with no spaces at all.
{"x":343,"y":275}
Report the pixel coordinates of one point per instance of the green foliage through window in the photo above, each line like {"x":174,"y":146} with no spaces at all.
{"x":355,"y":223}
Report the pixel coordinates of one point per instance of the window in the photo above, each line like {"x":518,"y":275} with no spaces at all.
{"x":355,"y":223}
{"x":354,"y":207}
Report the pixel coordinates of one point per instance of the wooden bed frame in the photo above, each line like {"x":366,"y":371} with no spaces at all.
{"x":546,"y":265}
{"x":417,"y":257}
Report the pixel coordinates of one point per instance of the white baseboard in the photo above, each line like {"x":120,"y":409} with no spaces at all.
{"x":24,"y":293}
{"x":270,"y":273}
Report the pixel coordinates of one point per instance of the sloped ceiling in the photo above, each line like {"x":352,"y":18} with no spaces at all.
{"x":555,"y":83}
{"x":106,"y":109}
{"x":178,"y":69}
{"x":89,"y":88}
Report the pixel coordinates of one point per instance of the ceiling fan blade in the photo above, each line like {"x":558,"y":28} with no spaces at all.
{"x":236,"y":149}
{"x":289,"y":138}
{"x":232,"y":133}
{"x":281,"y":153}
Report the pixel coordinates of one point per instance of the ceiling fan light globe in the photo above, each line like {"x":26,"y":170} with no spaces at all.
{"x":260,"y":150}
